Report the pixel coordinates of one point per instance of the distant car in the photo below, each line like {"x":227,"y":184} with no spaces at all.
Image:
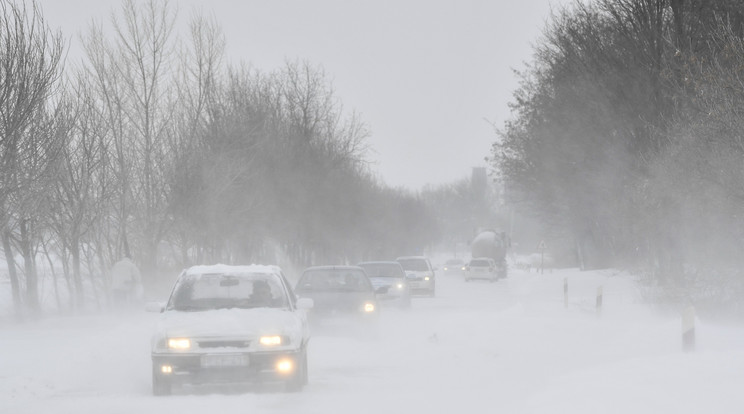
{"x":338,"y":292}
{"x":420,"y":274}
{"x":454,"y":267}
{"x":481,"y":268}
{"x":389,"y":281}
{"x":230,"y":324}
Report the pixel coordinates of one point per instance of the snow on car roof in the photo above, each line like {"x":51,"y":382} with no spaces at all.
{"x":223,"y":268}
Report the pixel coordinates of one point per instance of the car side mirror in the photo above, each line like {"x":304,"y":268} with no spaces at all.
{"x":305,"y":303}
{"x":155,"y":307}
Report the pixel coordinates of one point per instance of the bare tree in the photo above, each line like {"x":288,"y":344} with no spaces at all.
{"x":79,"y":198}
{"x":30,"y":66}
{"x":135,"y":81}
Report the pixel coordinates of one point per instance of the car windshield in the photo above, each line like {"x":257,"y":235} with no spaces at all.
{"x":334,"y":280}
{"x":480,"y":263}
{"x":201,"y":292}
{"x":383,"y":270}
{"x":414,"y":265}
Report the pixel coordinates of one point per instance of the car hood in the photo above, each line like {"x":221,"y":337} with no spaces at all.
{"x":418,"y":273}
{"x":230,"y":323}
{"x":378,"y":282}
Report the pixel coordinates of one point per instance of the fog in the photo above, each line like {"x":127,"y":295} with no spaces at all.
{"x":341,"y":132}
{"x":508,"y":346}
{"x":428,"y":77}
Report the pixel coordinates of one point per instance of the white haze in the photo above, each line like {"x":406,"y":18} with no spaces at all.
{"x":508,"y":347}
{"x":429,"y":78}
{"x":425,"y":76}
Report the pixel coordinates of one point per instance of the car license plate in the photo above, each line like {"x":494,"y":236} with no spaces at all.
{"x":414,"y":285}
{"x":224,"y":360}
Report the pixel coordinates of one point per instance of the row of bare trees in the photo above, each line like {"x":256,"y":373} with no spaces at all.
{"x":30,"y":68}
{"x":626,"y":135}
{"x":156,"y":148}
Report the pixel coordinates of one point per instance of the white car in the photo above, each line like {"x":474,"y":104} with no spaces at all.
{"x":230,"y":324}
{"x":481,"y":268}
{"x":420,"y":274}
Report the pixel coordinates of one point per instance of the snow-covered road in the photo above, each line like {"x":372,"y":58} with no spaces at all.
{"x":509,"y":347}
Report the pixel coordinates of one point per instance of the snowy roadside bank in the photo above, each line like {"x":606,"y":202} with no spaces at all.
{"x":510,"y":346}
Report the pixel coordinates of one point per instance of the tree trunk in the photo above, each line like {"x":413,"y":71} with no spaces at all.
{"x":32,"y":285}
{"x":77,"y":279}
{"x":57,"y":299}
{"x":14,"y":282}
{"x":679,"y":28}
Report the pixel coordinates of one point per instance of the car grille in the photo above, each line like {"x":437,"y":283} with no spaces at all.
{"x":224,"y":344}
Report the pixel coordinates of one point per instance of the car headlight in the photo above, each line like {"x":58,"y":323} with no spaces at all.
{"x":426,"y":278}
{"x":285,"y":365}
{"x":369,"y":307}
{"x":399,"y":286}
{"x":179,"y":343}
{"x":271,"y":340}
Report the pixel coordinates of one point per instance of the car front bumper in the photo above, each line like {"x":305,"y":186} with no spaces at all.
{"x":239,"y":367}
{"x":420,"y":285}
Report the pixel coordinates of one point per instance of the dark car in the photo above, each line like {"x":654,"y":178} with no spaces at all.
{"x":389,"y":281}
{"x":338,"y":292}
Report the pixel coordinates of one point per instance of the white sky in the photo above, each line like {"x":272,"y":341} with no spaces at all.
{"x":426,"y":76}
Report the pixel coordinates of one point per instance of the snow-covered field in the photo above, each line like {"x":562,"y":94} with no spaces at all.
{"x":507,"y":347}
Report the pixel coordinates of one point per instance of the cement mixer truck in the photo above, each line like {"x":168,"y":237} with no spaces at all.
{"x":492,"y":244}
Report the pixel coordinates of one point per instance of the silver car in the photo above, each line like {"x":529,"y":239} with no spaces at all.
{"x":420,"y":274}
{"x":389,"y":281}
{"x":454,"y":267}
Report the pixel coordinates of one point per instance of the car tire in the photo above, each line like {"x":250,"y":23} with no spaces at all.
{"x":160,"y":385}
{"x":300,"y":378}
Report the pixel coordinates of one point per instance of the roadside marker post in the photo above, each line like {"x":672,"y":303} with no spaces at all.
{"x":565,"y":292}
{"x":542,"y":246}
{"x":688,"y":329}
{"x":599,"y":299}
